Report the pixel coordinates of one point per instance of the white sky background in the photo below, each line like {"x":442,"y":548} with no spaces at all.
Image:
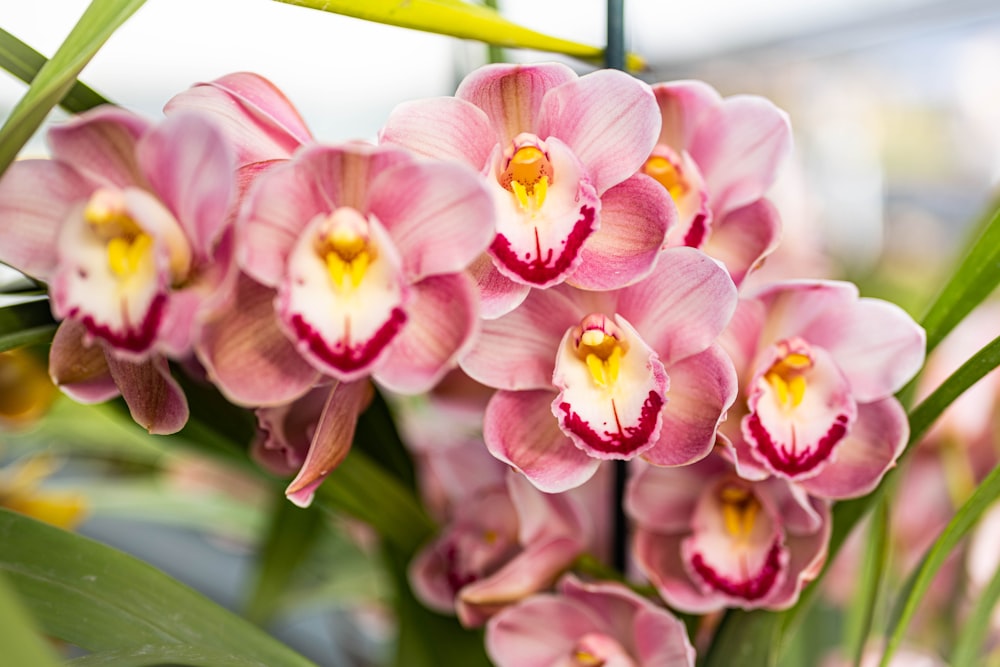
{"x":345,"y":75}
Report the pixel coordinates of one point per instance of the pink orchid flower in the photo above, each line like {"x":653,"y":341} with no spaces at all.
{"x":502,"y":544}
{"x":559,"y":154}
{"x":819,"y":367}
{"x":708,"y":539}
{"x":588,"y":624}
{"x":586,"y":376}
{"x":129,"y":225}
{"x":717,"y":158}
{"x":354,"y":258}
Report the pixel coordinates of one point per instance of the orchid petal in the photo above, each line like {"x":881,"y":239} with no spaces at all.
{"x":440,"y":323}
{"x":100,"y":145}
{"x":79,"y":370}
{"x":869,"y":450}
{"x":439,"y":216}
{"x":332,"y":440}
{"x":498,"y":294}
{"x":608,"y":119}
{"x":635,"y":217}
{"x":442,"y":128}
{"x":284,"y":432}
{"x":154,"y":398}
{"x":702,"y":388}
{"x":544,"y":516}
{"x":682,"y":306}
{"x":517,"y":351}
{"x":682,"y":104}
{"x":191,"y":168}
{"x":807,"y":553}
{"x":739,"y":146}
{"x":246,"y":354}
{"x":663,"y":499}
{"x":532,"y":570}
{"x":742,"y":238}
{"x":659,"y":558}
{"x":36,"y":196}
{"x":519,"y":429}
{"x":539,"y":632}
{"x":875,"y":343}
{"x":511,"y":95}
{"x":795,"y":307}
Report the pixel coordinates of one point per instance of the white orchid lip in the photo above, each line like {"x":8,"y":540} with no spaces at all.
{"x":613,"y":388}
{"x":736,"y":547}
{"x":801,"y":408}
{"x":344,"y":294}
{"x":123,"y":251}
{"x":546,"y":208}
{"x":679,"y":175}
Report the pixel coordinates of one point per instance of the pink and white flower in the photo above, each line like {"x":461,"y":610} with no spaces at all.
{"x":129,"y":224}
{"x":588,"y":376}
{"x":819,"y":367}
{"x":717,"y":158}
{"x":708,"y":539}
{"x":559,"y":154}
{"x":588,"y":624}
{"x":501,"y":544}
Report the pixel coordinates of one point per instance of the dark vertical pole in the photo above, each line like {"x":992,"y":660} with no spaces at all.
{"x":614,"y":57}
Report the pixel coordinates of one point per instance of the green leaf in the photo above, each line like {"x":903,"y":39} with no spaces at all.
{"x":100,"y":599}
{"x":28,"y":323}
{"x":746,"y":638}
{"x":862,"y":613}
{"x":973,"y":628}
{"x":977,"y":276}
{"x":462,"y":20}
{"x":22,"y":645}
{"x":56,"y":77}
{"x":919,"y":582}
{"x":164,"y":654}
{"x":291,"y":534}
{"x":24,"y":62}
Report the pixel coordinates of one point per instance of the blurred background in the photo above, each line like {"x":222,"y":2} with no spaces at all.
{"x":895,"y":108}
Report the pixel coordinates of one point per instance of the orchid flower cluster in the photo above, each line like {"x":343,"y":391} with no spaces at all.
{"x":560,"y":266}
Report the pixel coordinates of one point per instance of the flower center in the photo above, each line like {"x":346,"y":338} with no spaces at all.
{"x":129,"y":248}
{"x":584,"y":658}
{"x":667,"y":174}
{"x":345,"y":247}
{"x":528,"y":173}
{"x":787,"y":377}
{"x":739,"y":511}
{"x":600,"y":344}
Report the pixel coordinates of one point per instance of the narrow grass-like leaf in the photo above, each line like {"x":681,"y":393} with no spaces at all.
{"x":862,"y":613}
{"x":28,"y":323}
{"x":165,"y":654}
{"x":463,"y":20}
{"x":976,"y":277}
{"x":746,"y":638}
{"x":56,"y":77}
{"x":292,"y":532}
{"x":22,"y":645}
{"x":963,"y":521}
{"x":973,"y":629}
{"x":100,"y":599}
{"x":24,"y":62}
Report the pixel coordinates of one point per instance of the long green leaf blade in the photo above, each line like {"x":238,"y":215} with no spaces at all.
{"x":22,"y":645}
{"x":462,"y":20}
{"x":918,"y":584}
{"x":977,"y":276}
{"x":167,"y":654}
{"x":100,"y":599}
{"x":975,"y":626}
{"x":56,"y":77}
{"x":27,"y":323}
{"x":24,"y":62}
